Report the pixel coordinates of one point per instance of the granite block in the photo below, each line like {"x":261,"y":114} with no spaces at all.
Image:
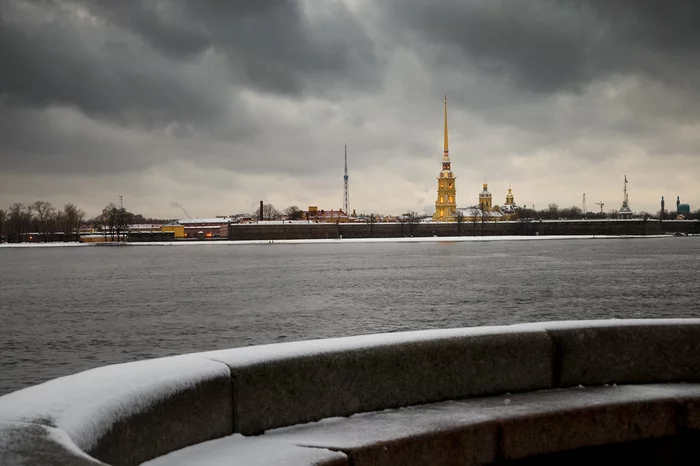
{"x":666,"y":451}
{"x":593,"y":425}
{"x":124,"y":414}
{"x":625,"y":353}
{"x":686,"y":395}
{"x":500,"y":428}
{"x":458,"y":447}
{"x":290,"y":390}
{"x":250,"y":451}
{"x":24,"y":443}
{"x":425,"y":435}
{"x":190,"y":416}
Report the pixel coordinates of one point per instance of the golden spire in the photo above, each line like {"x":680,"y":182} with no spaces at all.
{"x":447,"y":151}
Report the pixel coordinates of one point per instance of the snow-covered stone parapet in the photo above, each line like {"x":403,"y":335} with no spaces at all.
{"x":598,"y":352}
{"x":129,"y":413}
{"x":24,"y":443}
{"x":289,"y":383}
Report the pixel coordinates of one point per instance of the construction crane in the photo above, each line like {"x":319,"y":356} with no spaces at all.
{"x":601,"y":204}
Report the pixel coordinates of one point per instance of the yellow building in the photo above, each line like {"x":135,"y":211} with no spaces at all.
{"x":178,"y":230}
{"x":446,"y":202}
{"x":485,"y":199}
{"x":510,"y":200}
{"x":485,"y":210}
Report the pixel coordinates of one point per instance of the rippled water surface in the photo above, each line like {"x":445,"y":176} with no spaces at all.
{"x":63,"y":310}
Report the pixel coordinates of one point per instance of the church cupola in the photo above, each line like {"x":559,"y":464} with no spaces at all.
{"x":510,"y":200}
{"x":485,"y":199}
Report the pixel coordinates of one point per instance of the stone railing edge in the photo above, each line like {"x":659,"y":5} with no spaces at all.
{"x":588,"y":352}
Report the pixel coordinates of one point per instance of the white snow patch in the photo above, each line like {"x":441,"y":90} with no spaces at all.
{"x":245,"y":356}
{"x":42,"y":245}
{"x":61,"y":437}
{"x":427,"y":239}
{"x":86,"y":404}
{"x":250,"y":451}
{"x":583,"y":324}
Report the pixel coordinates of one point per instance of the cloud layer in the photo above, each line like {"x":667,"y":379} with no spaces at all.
{"x":216,"y":105}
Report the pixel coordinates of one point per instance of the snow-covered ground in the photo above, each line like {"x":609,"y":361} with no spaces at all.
{"x":428,"y":239}
{"x":40,"y":245}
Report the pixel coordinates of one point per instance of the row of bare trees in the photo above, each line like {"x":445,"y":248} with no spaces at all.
{"x":553,"y":212}
{"x":269,"y":212}
{"x":21,"y":222}
{"x":113,"y":222}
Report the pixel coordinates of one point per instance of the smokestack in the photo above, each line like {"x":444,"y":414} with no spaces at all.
{"x":261,"y":212}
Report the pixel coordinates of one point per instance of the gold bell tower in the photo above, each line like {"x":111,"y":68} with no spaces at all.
{"x":510,"y":200}
{"x":485,"y":199}
{"x":446,"y":202}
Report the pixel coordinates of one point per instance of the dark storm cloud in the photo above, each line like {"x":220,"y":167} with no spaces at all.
{"x":44,"y":141}
{"x":270,"y":44}
{"x":155,"y":65}
{"x":546,"y":46}
{"x":52,"y":57}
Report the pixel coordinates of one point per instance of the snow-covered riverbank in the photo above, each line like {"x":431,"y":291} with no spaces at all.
{"x":429,"y":239}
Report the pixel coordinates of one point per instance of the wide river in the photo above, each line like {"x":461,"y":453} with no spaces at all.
{"x":63,"y":310}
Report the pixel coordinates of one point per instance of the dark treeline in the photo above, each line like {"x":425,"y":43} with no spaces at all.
{"x":40,"y":221}
{"x":553,"y":212}
{"x":20,"y":222}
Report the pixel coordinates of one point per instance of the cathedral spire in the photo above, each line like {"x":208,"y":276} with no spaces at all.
{"x":447,"y":150}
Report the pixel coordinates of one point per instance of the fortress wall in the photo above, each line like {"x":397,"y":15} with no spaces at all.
{"x":397,"y":230}
{"x":128,"y":413}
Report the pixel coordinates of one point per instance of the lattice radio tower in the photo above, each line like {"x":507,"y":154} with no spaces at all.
{"x":346,"y":195}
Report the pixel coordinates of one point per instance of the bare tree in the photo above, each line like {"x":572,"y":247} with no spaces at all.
{"x":292,"y":213}
{"x":572,"y":212}
{"x":459,"y":218}
{"x":3,"y":220}
{"x":370,"y":220}
{"x":269,"y":212}
{"x":483,"y":218}
{"x":98,"y":224}
{"x":115,"y":220}
{"x":412,"y":219}
{"x":70,"y":220}
{"x":44,"y":214}
{"x":18,"y":222}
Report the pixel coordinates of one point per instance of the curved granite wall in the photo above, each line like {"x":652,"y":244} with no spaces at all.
{"x":129,"y":413}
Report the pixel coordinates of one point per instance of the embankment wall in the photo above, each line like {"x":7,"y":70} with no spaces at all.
{"x":396,"y":230}
{"x":129,"y":413}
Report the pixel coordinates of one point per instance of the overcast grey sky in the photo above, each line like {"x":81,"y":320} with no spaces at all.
{"x":218,"y":104}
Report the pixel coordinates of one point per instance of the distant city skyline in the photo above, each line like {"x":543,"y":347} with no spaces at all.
{"x":214,"y":106}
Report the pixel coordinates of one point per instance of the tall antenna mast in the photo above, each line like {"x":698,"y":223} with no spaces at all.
{"x":121,"y":202}
{"x":346,"y":197}
{"x":584,"y":203}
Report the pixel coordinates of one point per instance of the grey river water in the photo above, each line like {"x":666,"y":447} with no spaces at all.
{"x":63,"y":310}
